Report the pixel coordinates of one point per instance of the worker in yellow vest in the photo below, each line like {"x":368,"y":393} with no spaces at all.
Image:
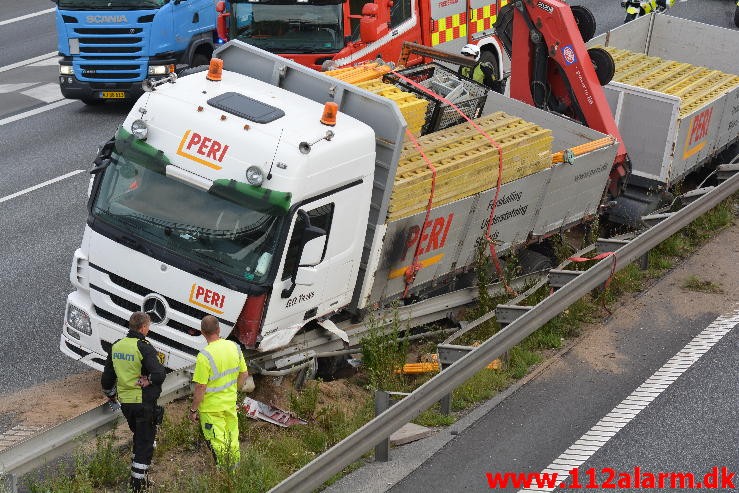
{"x":483,"y":72}
{"x":220,"y":370}
{"x":133,"y":376}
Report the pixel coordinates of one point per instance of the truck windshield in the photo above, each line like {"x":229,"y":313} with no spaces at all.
{"x":290,"y":28}
{"x":110,"y":4}
{"x":211,"y":229}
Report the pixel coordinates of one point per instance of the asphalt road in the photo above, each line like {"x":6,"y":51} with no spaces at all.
{"x":40,"y":228}
{"x":27,"y":38}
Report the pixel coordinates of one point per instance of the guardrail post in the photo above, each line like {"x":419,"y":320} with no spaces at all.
{"x":9,"y":483}
{"x":644,"y":261}
{"x":382,"y":403}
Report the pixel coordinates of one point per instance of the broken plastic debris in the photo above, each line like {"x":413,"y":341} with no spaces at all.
{"x":259,"y":410}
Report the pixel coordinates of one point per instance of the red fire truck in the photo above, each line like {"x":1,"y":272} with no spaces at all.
{"x":333,"y":33}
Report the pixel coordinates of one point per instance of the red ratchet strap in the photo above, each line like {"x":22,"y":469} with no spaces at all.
{"x":412,"y":270}
{"x":491,"y":241}
{"x":601,"y":256}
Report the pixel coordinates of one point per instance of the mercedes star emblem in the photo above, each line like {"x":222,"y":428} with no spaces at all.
{"x":156,"y":307}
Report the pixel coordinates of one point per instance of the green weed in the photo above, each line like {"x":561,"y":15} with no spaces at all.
{"x":383,"y":352}
{"x":304,"y":403}
{"x":694,"y":283}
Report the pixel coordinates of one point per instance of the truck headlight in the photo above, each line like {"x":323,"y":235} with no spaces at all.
{"x":66,"y":70}
{"x":79,"y":320}
{"x":254,"y":175}
{"x":139,"y":129}
{"x":158,"y":69}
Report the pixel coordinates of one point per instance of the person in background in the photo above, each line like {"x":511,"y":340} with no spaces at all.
{"x":483,"y":72}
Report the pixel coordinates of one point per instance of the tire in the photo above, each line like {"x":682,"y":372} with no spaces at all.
{"x":736,"y":16}
{"x":605,"y":67}
{"x":492,"y":58}
{"x":585,"y":22}
{"x":504,"y":27}
{"x":532,"y":261}
{"x":199,"y":59}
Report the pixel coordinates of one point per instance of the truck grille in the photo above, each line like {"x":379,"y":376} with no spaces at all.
{"x":174,"y":304}
{"x":151,"y":335}
{"x":111,"y":53}
{"x":107,"y":31}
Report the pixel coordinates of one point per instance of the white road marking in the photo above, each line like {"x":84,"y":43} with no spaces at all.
{"x":593,"y":440}
{"x":46,"y":62}
{"x":27,"y":16}
{"x":29,"y":61}
{"x":6,"y":88}
{"x":41,"y":185}
{"x":48,"y":93}
{"x":36,"y":111}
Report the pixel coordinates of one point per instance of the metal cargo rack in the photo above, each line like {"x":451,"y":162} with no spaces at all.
{"x":466,"y":94}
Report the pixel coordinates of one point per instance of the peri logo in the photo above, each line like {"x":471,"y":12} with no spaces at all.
{"x":207,"y":298}
{"x":202,"y":149}
{"x":697,"y":132}
{"x":569,"y":55}
{"x":156,"y":307}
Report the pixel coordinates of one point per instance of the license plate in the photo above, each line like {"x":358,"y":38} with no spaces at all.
{"x":114,"y":95}
{"x":162,"y":357}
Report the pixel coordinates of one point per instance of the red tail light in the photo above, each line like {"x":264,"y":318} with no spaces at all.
{"x":249,"y":323}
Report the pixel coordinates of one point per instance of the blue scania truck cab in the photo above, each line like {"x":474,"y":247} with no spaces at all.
{"x":109,"y":47}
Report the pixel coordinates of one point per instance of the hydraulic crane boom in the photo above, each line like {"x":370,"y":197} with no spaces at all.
{"x":553,"y":70}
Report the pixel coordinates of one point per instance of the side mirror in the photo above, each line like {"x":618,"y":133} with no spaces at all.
{"x":313,"y":251}
{"x":372,"y":27}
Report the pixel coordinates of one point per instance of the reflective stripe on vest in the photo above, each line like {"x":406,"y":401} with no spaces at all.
{"x":127,"y":365}
{"x":218,"y":375}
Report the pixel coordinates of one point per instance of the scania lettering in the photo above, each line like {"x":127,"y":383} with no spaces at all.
{"x":109,"y":48}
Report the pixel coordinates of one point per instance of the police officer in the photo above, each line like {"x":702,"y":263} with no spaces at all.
{"x":482,"y":72}
{"x":220,"y":369}
{"x":133,"y":373}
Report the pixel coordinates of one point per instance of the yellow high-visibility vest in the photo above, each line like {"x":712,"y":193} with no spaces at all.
{"x":219,"y":365}
{"x":127,"y":365}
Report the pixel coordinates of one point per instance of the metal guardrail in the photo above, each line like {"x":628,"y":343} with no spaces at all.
{"x":315,"y":473}
{"x":50,"y":444}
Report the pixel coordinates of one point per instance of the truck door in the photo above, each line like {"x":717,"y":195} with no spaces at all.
{"x":301,"y":294}
{"x":188,"y":17}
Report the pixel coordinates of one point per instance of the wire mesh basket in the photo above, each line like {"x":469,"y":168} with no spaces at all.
{"x":464,"y":93}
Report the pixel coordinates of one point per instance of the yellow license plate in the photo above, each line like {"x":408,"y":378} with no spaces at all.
{"x":114,"y":95}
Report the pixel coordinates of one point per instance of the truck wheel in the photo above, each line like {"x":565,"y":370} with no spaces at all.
{"x":736,"y":16}
{"x":585,"y":22}
{"x":531,"y":261}
{"x":605,"y":67}
{"x":199,"y":59}
{"x":504,"y":27}
{"x":492,"y":58}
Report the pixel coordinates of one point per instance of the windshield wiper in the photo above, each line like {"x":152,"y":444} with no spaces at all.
{"x":133,"y":244}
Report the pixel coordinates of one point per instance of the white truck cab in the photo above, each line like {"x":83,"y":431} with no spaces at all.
{"x":207,"y":201}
